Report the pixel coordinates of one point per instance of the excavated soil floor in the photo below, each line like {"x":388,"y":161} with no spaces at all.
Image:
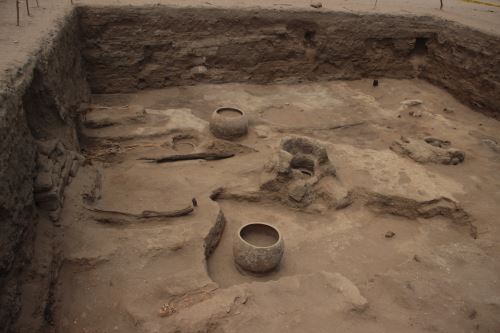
{"x":436,"y":272}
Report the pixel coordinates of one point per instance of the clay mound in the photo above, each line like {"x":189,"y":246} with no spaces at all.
{"x":429,"y":150}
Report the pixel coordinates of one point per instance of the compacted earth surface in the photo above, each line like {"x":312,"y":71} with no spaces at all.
{"x":399,"y":234}
{"x":386,"y":194}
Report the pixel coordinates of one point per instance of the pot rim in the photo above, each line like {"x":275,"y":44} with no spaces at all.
{"x":264,"y":224}
{"x":229,"y":108}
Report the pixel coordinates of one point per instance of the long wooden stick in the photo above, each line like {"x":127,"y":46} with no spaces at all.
{"x":327,"y":128}
{"x":147,"y":214}
{"x":28,"y":7}
{"x":186,"y":157}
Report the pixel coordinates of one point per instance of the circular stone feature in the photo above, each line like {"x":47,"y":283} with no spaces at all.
{"x":304,"y":164}
{"x":228,"y":123}
{"x":184,"y":145}
{"x":258,"y":247}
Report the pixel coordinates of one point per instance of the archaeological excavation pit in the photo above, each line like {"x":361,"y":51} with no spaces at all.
{"x":139,"y":140}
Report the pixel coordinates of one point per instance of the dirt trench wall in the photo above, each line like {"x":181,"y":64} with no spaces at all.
{"x":36,"y":104}
{"x":467,"y":64}
{"x":130,"y":48}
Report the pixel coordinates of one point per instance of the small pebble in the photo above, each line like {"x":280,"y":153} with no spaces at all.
{"x":472,"y":314}
{"x":316,"y":4}
{"x":389,"y":234}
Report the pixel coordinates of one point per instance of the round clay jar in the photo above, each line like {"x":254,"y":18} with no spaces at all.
{"x":229,"y":123}
{"x":258,"y":247}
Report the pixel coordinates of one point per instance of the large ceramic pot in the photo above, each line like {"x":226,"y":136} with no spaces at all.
{"x":258,"y":247}
{"x":228,"y":123}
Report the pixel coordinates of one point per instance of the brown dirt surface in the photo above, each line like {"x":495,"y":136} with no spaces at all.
{"x":151,"y":276}
{"x":395,"y":230}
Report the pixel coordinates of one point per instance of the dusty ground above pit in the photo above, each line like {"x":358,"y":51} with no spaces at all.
{"x":340,"y":268}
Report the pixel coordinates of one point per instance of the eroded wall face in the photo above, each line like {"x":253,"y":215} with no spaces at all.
{"x":466,"y":63}
{"x":39,"y":104}
{"x":132,"y":48}
{"x":127,"y":49}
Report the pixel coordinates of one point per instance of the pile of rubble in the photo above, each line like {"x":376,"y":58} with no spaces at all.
{"x":302,"y":174}
{"x":428,"y":150}
{"x":55,"y":166}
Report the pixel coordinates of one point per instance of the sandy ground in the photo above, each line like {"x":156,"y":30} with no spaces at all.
{"x":339,"y":271}
{"x":20,"y":43}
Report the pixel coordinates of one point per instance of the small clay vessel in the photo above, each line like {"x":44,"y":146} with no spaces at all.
{"x":228,"y":123}
{"x":258,"y":247}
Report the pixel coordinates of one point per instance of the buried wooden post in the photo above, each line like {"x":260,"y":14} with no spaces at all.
{"x":17,"y":12}
{"x":441,"y":1}
{"x":37,"y":3}
{"x":28,"y":7}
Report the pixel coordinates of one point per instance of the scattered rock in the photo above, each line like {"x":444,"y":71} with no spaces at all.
{"x":199,"y":70}
{"x":74,"y":168}
{"x":412,"y":209}
{"x":47,"y":147}
{"x":492,"y":144}
{"x":43,"y":163}
{"x":416,"y":113}
{"x":262,"y":131}
{"x":302,"y":145}
{"x":316,"y":4}
{"x":167,"y":310}
{"x":48,"y":200}
{"x":437,"y":142}
{"x":295,"y":170}
{"x":348,"y":290}
{"x":333,"y":193}
{"x":298,"y":190}
{"x":423,"y":151}
{"x":411,"y":102}
{"x":59,"y":150}
{"x":389,"y":234}
{"x":43,"y":181}
{"x":55,"y":164}
{"x":54,"y":215}
{"x":283,"y":163}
